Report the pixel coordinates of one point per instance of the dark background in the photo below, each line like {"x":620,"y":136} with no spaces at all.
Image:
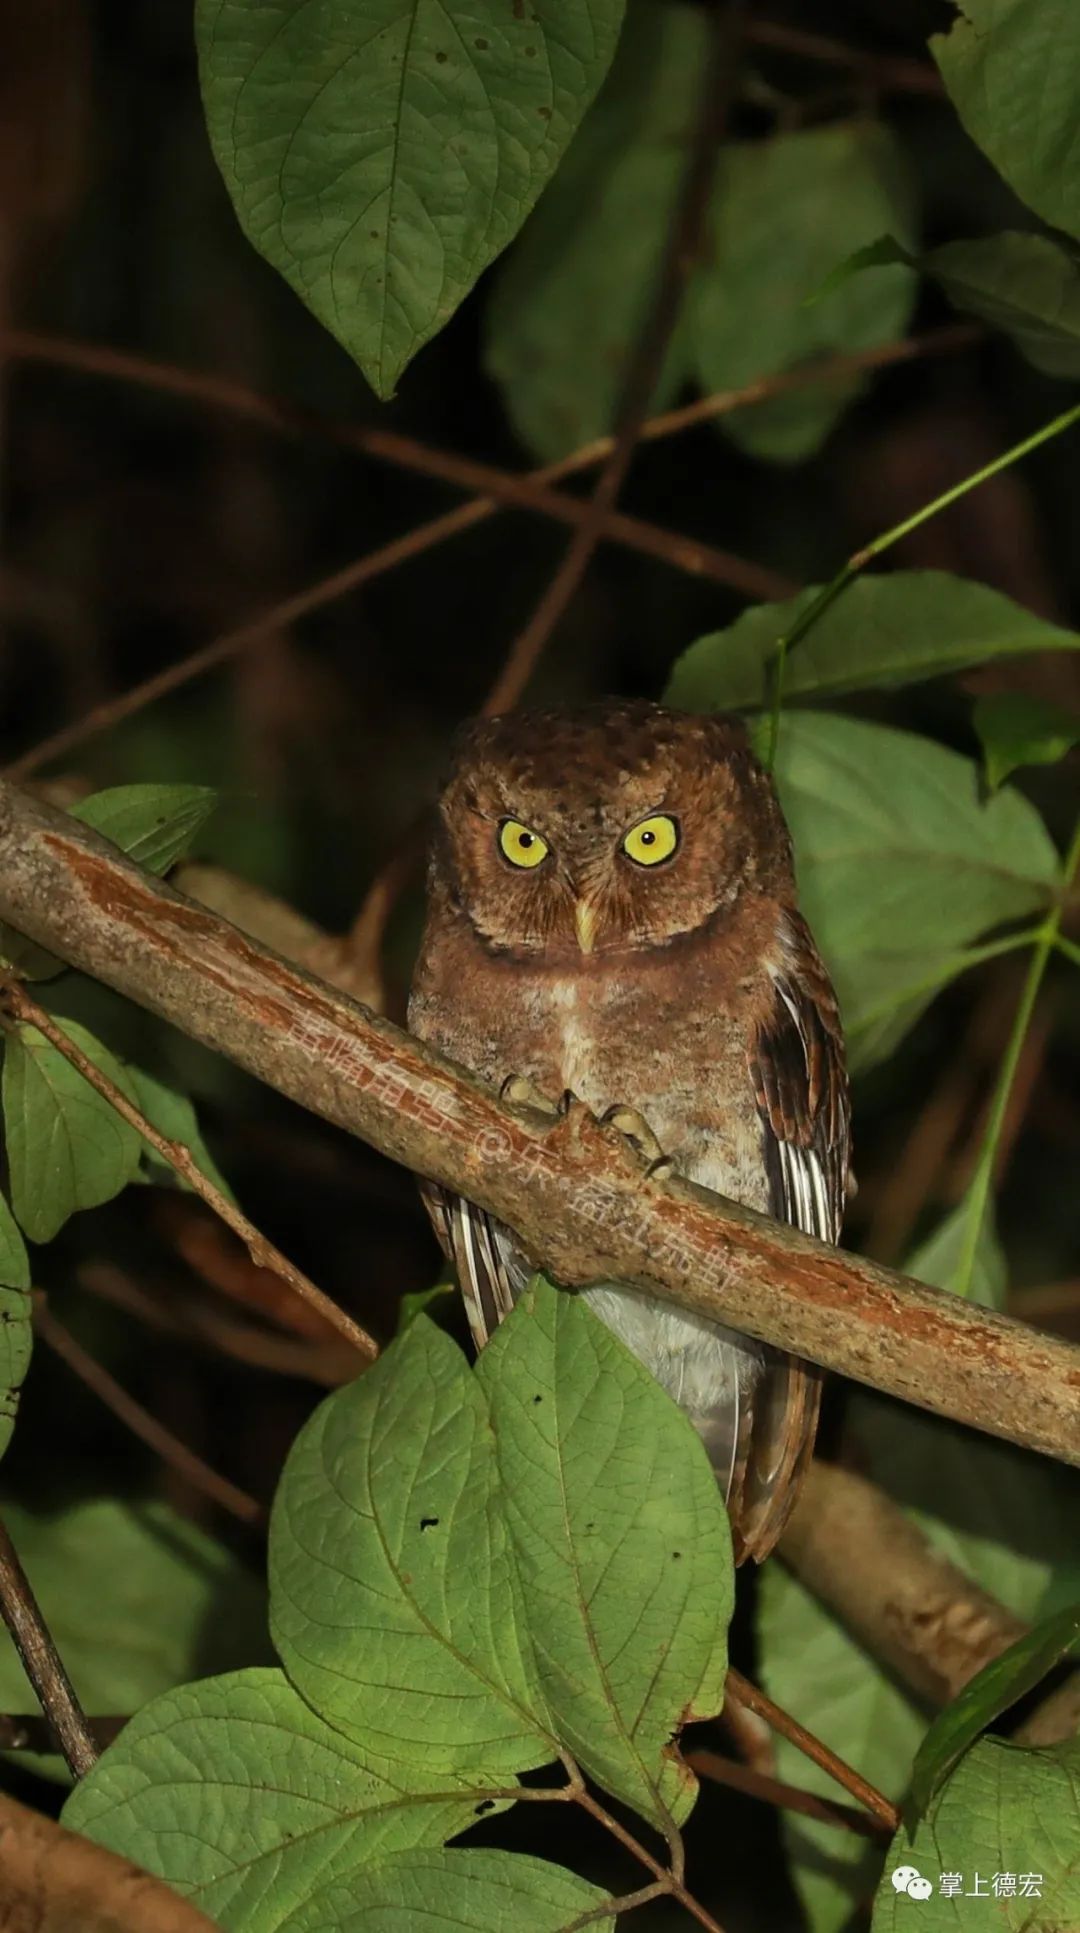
{"x":136,"y":526}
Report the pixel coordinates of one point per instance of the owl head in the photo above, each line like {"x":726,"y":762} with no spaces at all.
{"x":613,"y":826}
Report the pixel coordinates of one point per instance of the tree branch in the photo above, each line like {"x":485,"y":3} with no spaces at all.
{"x":575,"y":1193}
{"x":912,"y":1609}
{"x":42,"y":1662}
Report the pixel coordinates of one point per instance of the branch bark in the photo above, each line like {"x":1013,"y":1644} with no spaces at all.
{"x":42,"y":1662}
{"x":52,"y":1881}
{"x":575,"y":1193}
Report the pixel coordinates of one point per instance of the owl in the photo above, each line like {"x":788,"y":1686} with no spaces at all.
{"x":611,"y":912}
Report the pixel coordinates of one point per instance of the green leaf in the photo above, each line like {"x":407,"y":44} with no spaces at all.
{"x":457,"y":1892}
{"x":174,"y":1116}
{"x":573,"y":295}
{"x":622,"y":1542}
{"x":419,"y":1303}
{"x":901,"y":861}
{"x":153,"y":824}
{"x":240,"y":1798}
{"x":137,"y":1600}
{"x":1006,"y":1813}
{"x":948,"y":1260}
{"x":16,"y":1334}
{"x":1012,"y":68}
{"x":813,"y":1669}
{"x":884,"y":631}
{"x":67,"y":1148}
{"x":1022,"y":284}
{"x":380,"y":153}
{"x":1016,"y":730}
{"x":785,"y":212}
{"x":394,"y":1603}
{"x":992,"y":1691}
{"x":1004,"y":1516}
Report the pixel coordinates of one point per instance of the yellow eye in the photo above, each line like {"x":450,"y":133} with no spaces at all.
{"x":521,"y":846}
{"x":653,"y":841}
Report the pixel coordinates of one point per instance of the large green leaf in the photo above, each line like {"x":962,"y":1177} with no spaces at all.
{"x":237,"y":1795}
{"x":153,"y":824}
{"x":1000,"y":1848}
{"x":890,"y":630}
{"x":573,"y":294}
{"x":992,"y":1691}
{"x":67,"y":1148}
{"x":137,"y":1600}
{"x":813,"y":1669}
{"x":622,"y":1543}
{"x":477,"y":1891}
{"x":16,"y":1334}
{"x":1012,"y":68}
{"x":785,"y":212}
{"x":394,"y":1602}
{"x":380,"y":153}
{"x":901,"y":861}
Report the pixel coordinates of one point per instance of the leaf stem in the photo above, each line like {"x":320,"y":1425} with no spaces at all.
{"x":1069,"y":948}
{"x":1047,"y":941}
{"x":860,"y":558}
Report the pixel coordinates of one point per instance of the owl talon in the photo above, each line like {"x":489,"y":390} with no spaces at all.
{"x":637,"y":1131}
{"x":520,"y":1092}
{"x":566,"y":1101}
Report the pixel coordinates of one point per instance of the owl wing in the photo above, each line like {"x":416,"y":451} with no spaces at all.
{"x":489,"y":1268}
{"x":796,"y":1062}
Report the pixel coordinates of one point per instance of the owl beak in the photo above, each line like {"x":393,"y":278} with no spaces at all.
{"x":585,"y":924}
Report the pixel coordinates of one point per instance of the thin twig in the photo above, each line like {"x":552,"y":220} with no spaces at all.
{"x":331,"y":1363}
{"x":263,"y":1252}
{"x":327,"y":590}
{"x":673,"y":1881}
{"x":41,"y":1662}
{"x":891,"y":72}
{"x":815,"y":1749}
{"x":681,"y":252}
{"x":179,"y":1457}
{"x":790,"y":1798}
{"x":504,"y":487}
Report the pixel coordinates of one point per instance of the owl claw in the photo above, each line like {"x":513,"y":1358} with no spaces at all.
{"x":637,"y":1131}
{"x":519,"y":1091}
{"x":566,"y":1102}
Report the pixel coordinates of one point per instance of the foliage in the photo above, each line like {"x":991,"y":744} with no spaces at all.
{"x":452,"y":1605}
{"x":136,"y":1598}
{"x":478,"y":1574}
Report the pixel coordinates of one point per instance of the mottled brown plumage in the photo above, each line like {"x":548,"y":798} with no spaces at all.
{"x":567,"y":945}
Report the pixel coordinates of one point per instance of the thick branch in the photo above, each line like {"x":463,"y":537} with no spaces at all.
{"x":912,"y":1609}
{"x":575,"y":1193}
